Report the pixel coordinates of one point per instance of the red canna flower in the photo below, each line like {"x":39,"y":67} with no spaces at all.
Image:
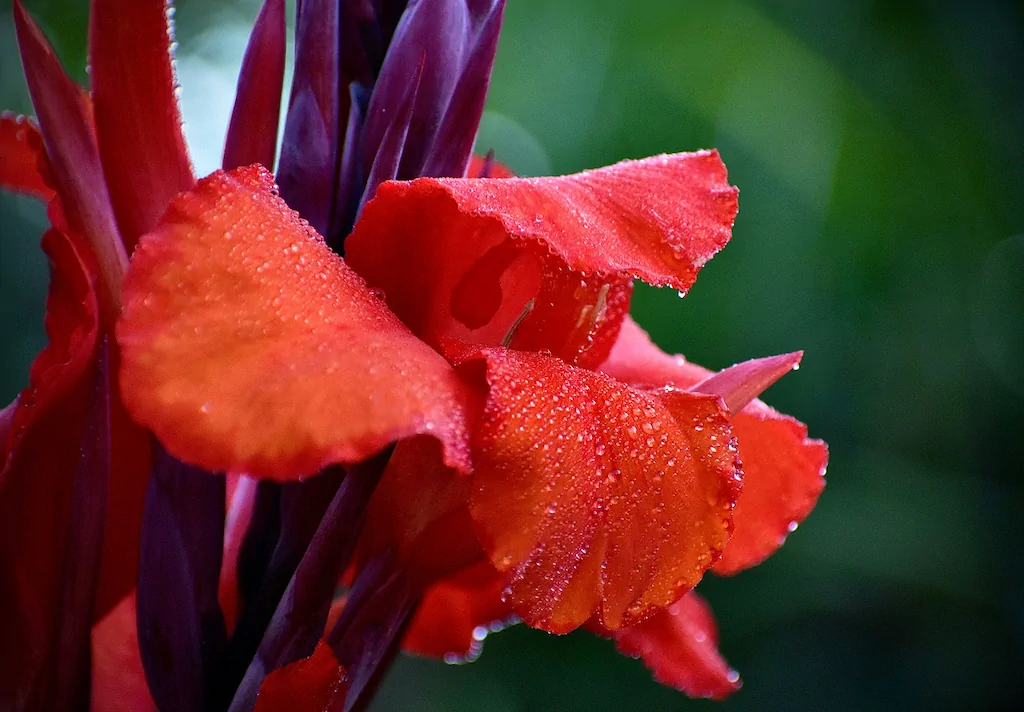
{"x":426,"y":390}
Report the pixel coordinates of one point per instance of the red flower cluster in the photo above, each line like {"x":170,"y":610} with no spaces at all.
{"x":515,"y":446}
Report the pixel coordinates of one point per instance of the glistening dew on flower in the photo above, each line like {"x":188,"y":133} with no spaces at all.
{"x":390,"y":397}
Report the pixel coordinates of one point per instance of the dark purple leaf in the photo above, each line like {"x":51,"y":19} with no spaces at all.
{"x":351,"y":178}
{"x":285,"y":518}
{"x":301,"y":615}
{"x":306,"y":174}
{"x":453,"y":145}
{"x":368,"y":630}
{"x":66,"y":686}
{"x":181,"y":627}
{"x":389,"y":154}
{"x":252,"y":133}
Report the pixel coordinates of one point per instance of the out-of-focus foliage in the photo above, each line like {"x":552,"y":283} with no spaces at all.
{"x":879,"y":151}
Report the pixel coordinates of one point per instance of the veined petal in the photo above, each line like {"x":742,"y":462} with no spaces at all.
{"x":250,"y":347}
{"x":457,"y":613}
{"x":426,"y":242}
{"x":21,"y":151}
{"x":597,"y":497}
{"x":138,"y":124}
{"x":783,"y":470}
{"x":680,"y":646}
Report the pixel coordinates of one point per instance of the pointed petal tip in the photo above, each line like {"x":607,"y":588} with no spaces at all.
{"x":743,"y":382}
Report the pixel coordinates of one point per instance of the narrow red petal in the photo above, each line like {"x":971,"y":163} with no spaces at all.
{"x":680,"y":646}
{"x":456,"y":614}
{"x":783,"y":470}
{"x":21,"y":152}
{"x":740,"y":384}
{"x":71,"y":148}
{"x":252,"y":133}
{"x":138,"y":125}
{"x":38,"y":465}
{"x":314,"y":684}
{"x":118,"y":681}
{"x":596,"y":496}
{"x":487,"y":167}
{"x":248,"y":346}
{"x":659,"y":219}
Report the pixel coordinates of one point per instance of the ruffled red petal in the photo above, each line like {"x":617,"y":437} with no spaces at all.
{"x":38,"y":464}
{"x":783,"y":470}
{"x":314,"y":684}
{"x":596,"y":496}
{"x":21,"y":152}
{"x":248,"y":346}
{"x":680,"y":646}
{"x":433,"y":245}
{"x":456,"y":614}
{"x":138,"y":125}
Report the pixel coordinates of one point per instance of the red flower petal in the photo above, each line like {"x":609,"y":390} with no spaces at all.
{"x":118,"y":681}
{"x":21,"y":151}
{"x":456,"y":614}
{"x":783,"y":470}
{"x":250,"y":347}
{"x":314,"y":684}
{"x":429,"y":243}
{"x":252,"y":133}
{"x":680,"y":646}
{"x":39,"y":459}
{"x":421,"y":508}
{"x":138,"y":126}
{"x":487,"y":167}
{"x":73,"y":158}
{"x":597,"y":496}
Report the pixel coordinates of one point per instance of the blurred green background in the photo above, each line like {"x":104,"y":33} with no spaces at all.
{"x":879,"y":151}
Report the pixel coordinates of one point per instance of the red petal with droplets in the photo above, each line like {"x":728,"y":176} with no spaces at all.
{"x":680,"y":646}
{"x":118,"y":681}
{"x":21,"y":151}
{"x":456,"y":614}
{"x":252,"y":133}
{"x":39,"y":459}
{"x":783,"y":470}
{"x":248,"y":346}
{"x":138,"y":125}
{"x":314,"y":684}
{"x":596,"y":496}
{"x":659,"y":219}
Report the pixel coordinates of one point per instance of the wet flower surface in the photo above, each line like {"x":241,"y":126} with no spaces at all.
{"x":393,"y":395}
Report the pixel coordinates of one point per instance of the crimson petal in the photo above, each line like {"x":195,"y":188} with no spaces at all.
{"x":244,"y":337}
{"x":317,"y":683}
{"x":457,"y":613}
{"x":39,"y":458}
{"x":783,"y":470}
{"x":74,"y":158}
{"x":659,"y":219}
{"x":680,"y":646}
{"x":138,"y":124}
{"x":596,"y":496}
{"x":21,"y":151}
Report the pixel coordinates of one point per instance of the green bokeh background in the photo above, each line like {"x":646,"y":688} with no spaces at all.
{"x":879,"y":150}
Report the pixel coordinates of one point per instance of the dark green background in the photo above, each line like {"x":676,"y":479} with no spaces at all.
{"x":879,"y":150}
